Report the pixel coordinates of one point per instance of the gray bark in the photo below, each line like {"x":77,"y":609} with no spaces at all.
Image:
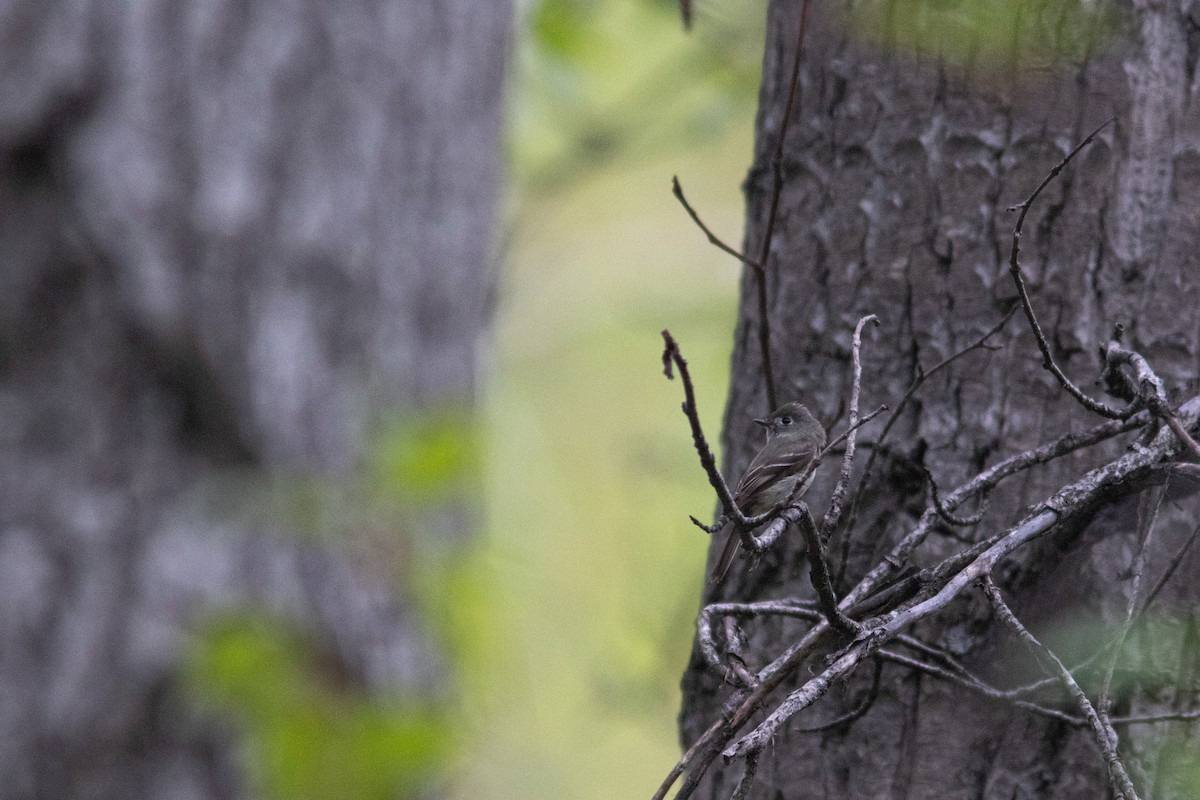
{"x":236,"y":236}
{"x":898,"y":172}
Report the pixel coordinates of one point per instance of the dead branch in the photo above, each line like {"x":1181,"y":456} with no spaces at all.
{"x":673,"y":355}
{"x":858,"y":711}
{"x":923,"y":375}
{"x":1105,"y":736}
{"x":948,"y":516}
{"x":1145,"y":387}
{"x":833,"y":514}
{"x":1014,"y":267}
{"x":1097,"y":487}
{"x":985,"y":482}
{"x":713,"y":239}
{"x":819,"y":574}
{"x":764,"y":334}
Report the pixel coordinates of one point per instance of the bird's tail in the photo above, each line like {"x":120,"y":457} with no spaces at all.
{"x":731,"y":547}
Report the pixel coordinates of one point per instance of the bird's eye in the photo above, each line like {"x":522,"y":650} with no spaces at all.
{"x":786,"y":420}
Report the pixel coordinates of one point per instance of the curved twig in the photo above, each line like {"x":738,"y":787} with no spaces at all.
{"x":1014,"y":268}
{"x":948,"y":516}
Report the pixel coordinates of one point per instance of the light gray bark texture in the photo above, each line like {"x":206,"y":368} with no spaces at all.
{"x":898,"y":173}
{"x":235,"y":235}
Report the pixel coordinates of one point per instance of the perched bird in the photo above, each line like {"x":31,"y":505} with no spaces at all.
{"x":794,"y":437}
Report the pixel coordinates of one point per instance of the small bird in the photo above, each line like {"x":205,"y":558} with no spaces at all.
{"x":794,"y":437}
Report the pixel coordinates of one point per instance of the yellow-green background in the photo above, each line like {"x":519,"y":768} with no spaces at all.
{"x":593,"y":569}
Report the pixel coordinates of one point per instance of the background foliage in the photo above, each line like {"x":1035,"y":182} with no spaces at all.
{"x":593,"y":568}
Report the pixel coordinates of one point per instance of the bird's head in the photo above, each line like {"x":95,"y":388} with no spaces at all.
{"x":791,"y":417}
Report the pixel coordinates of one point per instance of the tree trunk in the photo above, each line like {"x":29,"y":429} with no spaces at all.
{"x":235,"y":236}
{"x":898,"y":169}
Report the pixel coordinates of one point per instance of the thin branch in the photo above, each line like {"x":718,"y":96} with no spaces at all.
{"x":1147,"y":388}
{"x":735,"y":645}
{"x":977,"y":686}
{"x":984,"y":482}
{"x":672,"y":354}
{"x":922,"y":377}
{"x":1105,"y":736}
{"x":1173,"y":565}
{"x":867,"y":645}
{"x":833,"y":514}
{"x":858,"y":711}
{"x":1104,"y":484}
{"x":704,"y":625}
{"x":703,"y":751}
{"x":1014,"y":267}
{"x":764,"y":327}
{"x":1166,"y":716}
{"x":948,"y":516}
{"x":743,"y":788}
{"x":1137,"y":569}
{"x":819,"y":574}
{"x":713,"y":239}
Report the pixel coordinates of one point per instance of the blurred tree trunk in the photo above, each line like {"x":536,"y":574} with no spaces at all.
{"x":236,"y":235}
{"x":898,"y":171}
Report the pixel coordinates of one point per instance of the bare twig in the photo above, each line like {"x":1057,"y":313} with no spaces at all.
{"x":948,"y":516}
{"x":713,"y":239}
{"x":672,"y":355}
{"x":1014,"y":267}
{"x":977,"y":686}
{"x":743,"y":788}
{"x":819,"y":573}
{"x":1146,"y":526}
{"x":704,"y":634}
{"x":867,"y":645}
{"x":1173,"y":565}
{"x":1105,"y":736}
{"x":764,"y":328}
{"x":922,"y":377}
{"x":1147,"y":389}
{"x":703,"y":751}
{"x":1103,"y":484}
{"x":984,"y":482}
{"x":833,"y":514}
{"x":858,"y":711}
{"x":735,"y":645}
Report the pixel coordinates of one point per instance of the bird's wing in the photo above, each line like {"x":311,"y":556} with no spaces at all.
{"x":765,"y":469}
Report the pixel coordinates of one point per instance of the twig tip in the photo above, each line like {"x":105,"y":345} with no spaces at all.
{"x":669,"y":351}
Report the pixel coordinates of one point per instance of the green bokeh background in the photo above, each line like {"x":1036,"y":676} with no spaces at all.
{"x":593,"y":568}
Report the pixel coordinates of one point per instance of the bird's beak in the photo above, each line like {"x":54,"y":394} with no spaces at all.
{"x":766,"y":423}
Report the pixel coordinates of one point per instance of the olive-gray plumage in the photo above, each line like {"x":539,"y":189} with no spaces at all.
{"x":794,"y":437}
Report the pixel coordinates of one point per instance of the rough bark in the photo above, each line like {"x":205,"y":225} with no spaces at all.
{"x":898,"y":171}
{"x":235,"y":236}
